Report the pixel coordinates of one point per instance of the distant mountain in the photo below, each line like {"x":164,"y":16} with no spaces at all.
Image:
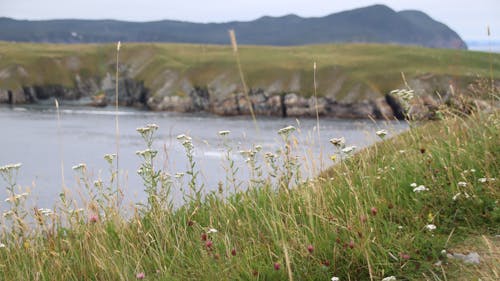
{"x":373,"y":24}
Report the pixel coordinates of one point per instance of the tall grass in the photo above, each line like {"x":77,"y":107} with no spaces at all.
{"x":389,"y":210}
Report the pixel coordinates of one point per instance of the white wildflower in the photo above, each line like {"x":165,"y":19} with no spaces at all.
{"x":8,"y":167}
{"x":420,"y":188}
{"x":472,"y":170}
{"x":338,"y":142}
{"x":430,"y":227}
{"x":443,"y":252}
{"x":402,"y":151}
{"x":390,"y":278}
{"x":2,"y":245}
{"x":349,"y":149}
{"x":150,"y":128}
{"x":381,"y":133}
{"x":46,"y":212}
{"x":455,"y":197}
{"x":109,"y":157}
{"x":414,"y":184}
{"x":224,"y":133}
{"x":334,"y":278}
{"x":81,"y":166}
{"x":462,"y":184}
{"x":183,"y":137}
{"x":212,"y":230}
{"x":483,"y":180}
{"x":286,"y":131}
{"x":147,"y":153}
{"x":400,"y":227}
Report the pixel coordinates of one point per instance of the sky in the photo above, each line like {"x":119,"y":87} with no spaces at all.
{"x":468,"y":18}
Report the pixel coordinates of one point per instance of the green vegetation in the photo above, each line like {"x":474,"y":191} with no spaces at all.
{"x":369,"y":217}
{"x":376,"y":68}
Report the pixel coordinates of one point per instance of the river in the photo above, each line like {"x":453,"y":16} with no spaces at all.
{"x":31,"y":135}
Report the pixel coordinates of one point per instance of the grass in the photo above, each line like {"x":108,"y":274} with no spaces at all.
{"x":374,"y":68}
{"x":359,"y":220}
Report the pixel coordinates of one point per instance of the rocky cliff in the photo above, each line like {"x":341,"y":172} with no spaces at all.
{"x":350,"y":81}
{"x":278,"y":103}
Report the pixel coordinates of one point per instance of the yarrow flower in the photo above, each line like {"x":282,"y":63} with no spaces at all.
{"x":46,"y":212}
{"x":335,"y":278}
{"x":109,"y":157}
{"x":414,"y":184}
{"x":224,"y":133}
{"x":420,"y":188}
{"x":462,"y":184}
{"x":348,"y":149}
{"x":390,"y":278}
{"x":16,"y":197}
{"x":79,"y":167}
{"x":430,"y":227}
{"x":483,"y":180}
{"x":9,"y":167}
{"x":183,"y":137}
{"x":286,"y":131}
{"x":212,"y":230}
{"x":338,"y":142}
{"x":147,"y":153}
{"x":381,"y":133}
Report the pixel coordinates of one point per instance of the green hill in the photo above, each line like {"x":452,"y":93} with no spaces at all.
{"x":373,"y":24}
{"x":159,"y":73}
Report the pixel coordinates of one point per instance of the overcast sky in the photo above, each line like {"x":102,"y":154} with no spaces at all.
{"x":468,"y":18}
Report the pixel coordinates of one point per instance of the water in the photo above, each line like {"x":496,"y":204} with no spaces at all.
{"x":30,"y":135}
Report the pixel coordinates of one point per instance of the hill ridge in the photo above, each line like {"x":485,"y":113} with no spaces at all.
{"x":372,"y":24}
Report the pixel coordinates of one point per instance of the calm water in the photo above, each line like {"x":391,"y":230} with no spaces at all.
{"x":30,"y":135}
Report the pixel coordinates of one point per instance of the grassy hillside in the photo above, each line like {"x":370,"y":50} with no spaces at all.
{"x":390,"y":210}
{"x":341,"y":68}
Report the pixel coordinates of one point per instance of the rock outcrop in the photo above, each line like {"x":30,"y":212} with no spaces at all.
{"x":432,"y":92}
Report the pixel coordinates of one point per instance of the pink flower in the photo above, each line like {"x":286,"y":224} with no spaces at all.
{"x":140,"y":275}
{"x":310,"y":249}
{"x":93,"y":218}
{"x":209,"y":244}
{"x":351,"y":244}
{"x":374,"y":211}
{"x":277,"y":266}
{"x":404,"y":256}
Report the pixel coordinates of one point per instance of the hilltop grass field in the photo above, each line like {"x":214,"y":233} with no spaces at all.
{"x":394,"y":210}
{"x":377,"y":67}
